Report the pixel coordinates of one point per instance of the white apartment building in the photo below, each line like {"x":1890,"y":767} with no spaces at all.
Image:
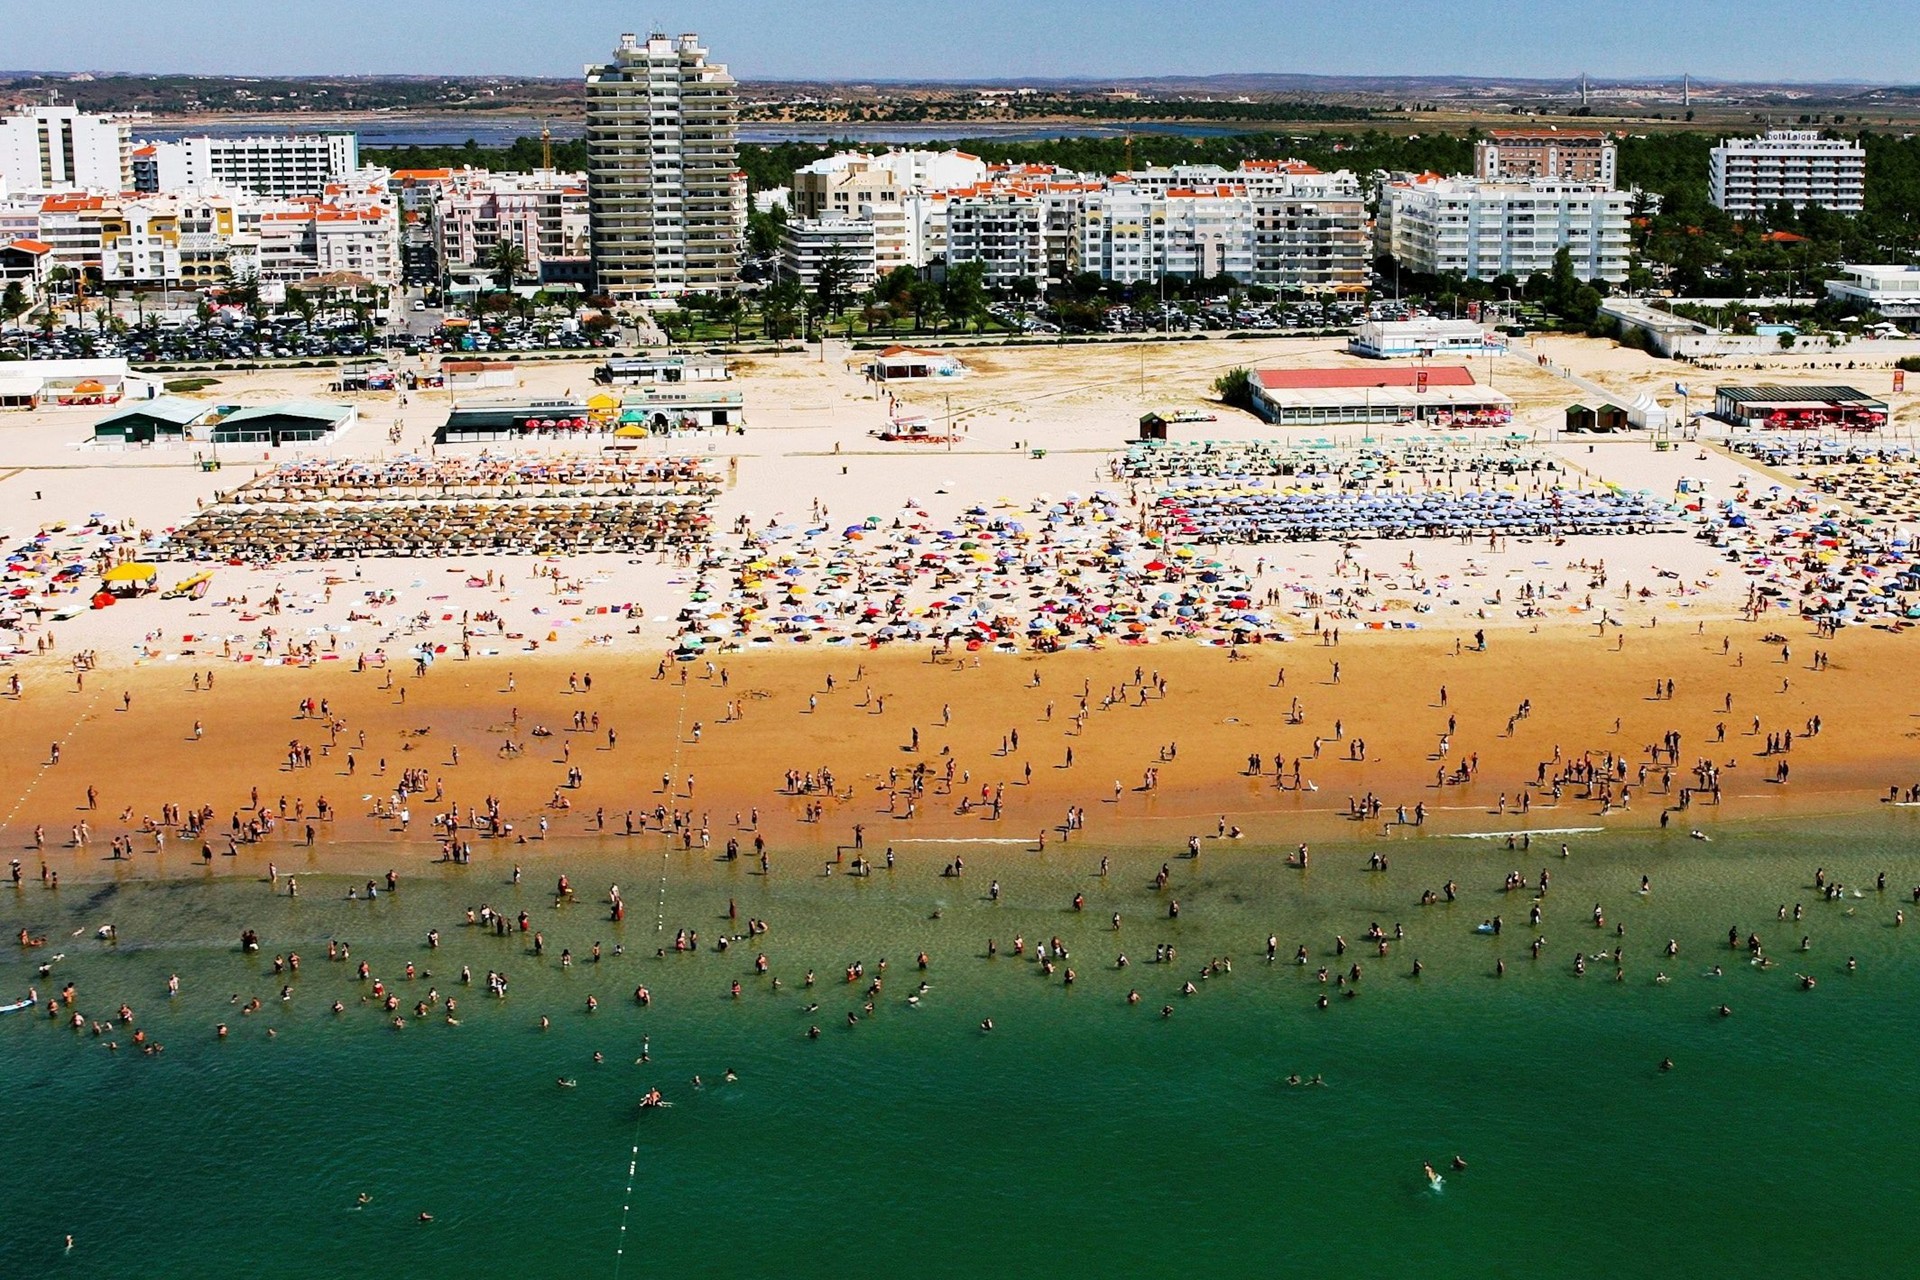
{"x":1003,"y":229}
{"x":1480,"y":230}
{"x":1130,"y":236}
{"x":72,"y":226}
{"x":818,"y":187}
{"x":902,"y":192}
{"x":808,"y":244}
{"x":53,"y":148}
{"x":363,"y":240}
{"x":1893,"y":291}
{"x":1310,"y":233}
{"x":19,"y":219}
{"x":274,"y":165}
{"x":1748,"y":176}
{"x":1281,"y":224}
{"x":295,"y":239}
{"x":666,"y":202}
{"x":917,"y":170}
{"x":544,"y":213}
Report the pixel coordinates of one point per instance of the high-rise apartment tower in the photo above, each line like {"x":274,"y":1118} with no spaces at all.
{"x":665,"y":199}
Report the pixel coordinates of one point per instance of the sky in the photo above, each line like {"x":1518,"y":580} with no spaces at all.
{"x":1802,"y":40}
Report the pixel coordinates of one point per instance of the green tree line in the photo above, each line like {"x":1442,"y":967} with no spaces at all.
{"x":771,"y":165}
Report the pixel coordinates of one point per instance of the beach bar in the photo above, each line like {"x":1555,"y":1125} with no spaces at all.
{"x":1440,"y":395}
{"x":666,"y":409}
{"x":636,"y":370}
{"x":486,"y":421}
{"x":30,"y":384}
{"x":467,"y":375}
{"x":907,"y":364}
{"x":292,"y":422}
{"x":1427,"y":336}
{"x":1794,"y":408}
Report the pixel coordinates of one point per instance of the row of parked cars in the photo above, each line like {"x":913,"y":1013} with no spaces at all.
{"x":1174,"y":317}
{"x":508,"y":334}
{"x":228,"y":339}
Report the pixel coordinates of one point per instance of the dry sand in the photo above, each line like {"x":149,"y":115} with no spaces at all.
{"x":809,"y":438}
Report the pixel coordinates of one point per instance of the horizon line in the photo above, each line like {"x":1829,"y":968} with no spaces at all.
{"x":1593,"y":80}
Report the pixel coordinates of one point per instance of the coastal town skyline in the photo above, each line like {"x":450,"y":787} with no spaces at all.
{"x":1864,"y":41}
{"x":638,"y":672}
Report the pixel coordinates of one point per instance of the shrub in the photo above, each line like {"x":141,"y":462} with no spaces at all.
{"x":1235,"y":388}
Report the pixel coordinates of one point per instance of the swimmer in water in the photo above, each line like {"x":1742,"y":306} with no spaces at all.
{"x":1433,"y":1179}
{"x":365,"y":1198}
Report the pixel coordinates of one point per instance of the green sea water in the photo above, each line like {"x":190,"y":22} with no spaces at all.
{"x":1082,"y":1136}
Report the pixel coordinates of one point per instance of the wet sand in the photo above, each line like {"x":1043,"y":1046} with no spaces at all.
{"x":1215,"y":713}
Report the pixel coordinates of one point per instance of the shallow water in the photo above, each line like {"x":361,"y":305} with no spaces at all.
{"x":1081,"y":1136}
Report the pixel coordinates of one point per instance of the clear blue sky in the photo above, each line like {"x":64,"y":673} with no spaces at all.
{"x":1872,"y":40}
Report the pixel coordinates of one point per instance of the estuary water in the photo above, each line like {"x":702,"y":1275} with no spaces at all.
{"x":497,"y":131}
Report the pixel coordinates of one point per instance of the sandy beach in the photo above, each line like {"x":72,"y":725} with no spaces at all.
{"x":1049,"y":733}
{"x":1600,"y":619}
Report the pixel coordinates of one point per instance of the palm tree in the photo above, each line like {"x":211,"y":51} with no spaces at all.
{"x":778,"y":306}
{"x":507,"y":261}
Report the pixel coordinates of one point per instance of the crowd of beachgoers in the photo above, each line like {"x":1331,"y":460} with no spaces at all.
{"x":1830,"y":545}
{"x":1181,"y":544}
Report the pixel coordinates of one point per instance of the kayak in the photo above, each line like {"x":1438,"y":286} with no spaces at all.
{"x":18,"y":1005}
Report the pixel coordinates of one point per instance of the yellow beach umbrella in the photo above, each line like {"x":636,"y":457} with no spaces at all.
{"x":134,"y":571}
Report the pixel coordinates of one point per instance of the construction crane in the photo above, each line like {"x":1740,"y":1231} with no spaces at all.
{"x":546,"y":147}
